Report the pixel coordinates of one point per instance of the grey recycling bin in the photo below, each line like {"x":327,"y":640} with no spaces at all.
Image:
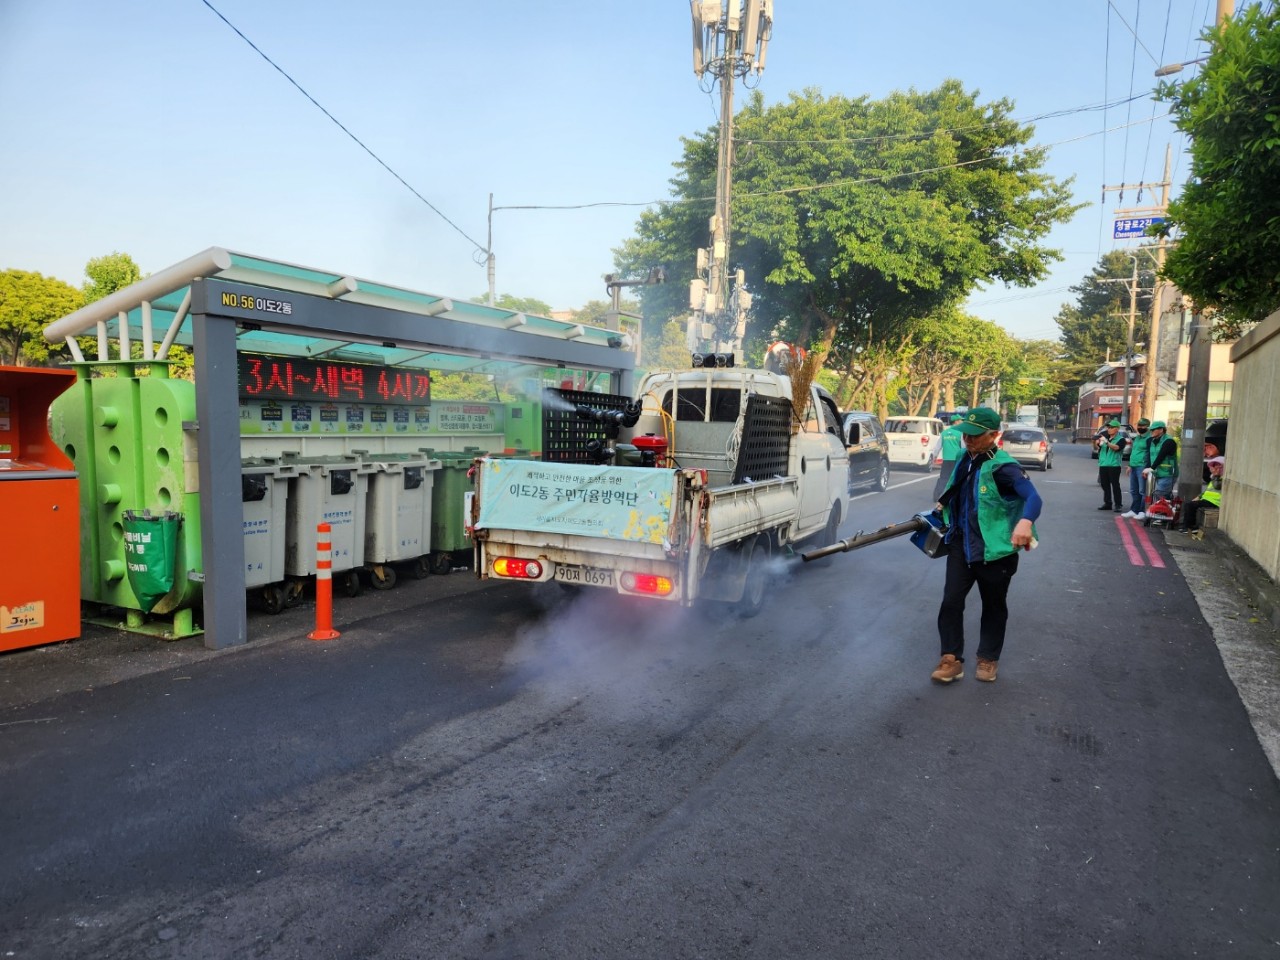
{"x":332,"y":490}
{"x":264,"y":495}
{"x":398,"y":515}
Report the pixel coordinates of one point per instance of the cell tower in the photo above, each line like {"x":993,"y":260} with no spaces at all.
{"x":730,"y":38}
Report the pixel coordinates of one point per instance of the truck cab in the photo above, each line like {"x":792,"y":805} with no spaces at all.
{"x":701,"y":411}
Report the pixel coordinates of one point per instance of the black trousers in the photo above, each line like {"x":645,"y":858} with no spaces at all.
{"x":993,"y":587}
{"x":1109,"y":480}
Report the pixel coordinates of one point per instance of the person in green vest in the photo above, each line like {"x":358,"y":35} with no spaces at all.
{"x":989,"y":507}
{"x":1162,"y":461}
{"x":952,"y":447}
{"x":1137,"y":463}
{"x":1110,"y":461}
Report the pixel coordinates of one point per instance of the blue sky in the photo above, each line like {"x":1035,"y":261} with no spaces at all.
{"x":151,"y":128}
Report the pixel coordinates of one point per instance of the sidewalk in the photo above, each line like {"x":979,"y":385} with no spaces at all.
{"x":1241,"y":604}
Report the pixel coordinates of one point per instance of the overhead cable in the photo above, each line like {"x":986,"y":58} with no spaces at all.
{"x":338,"y":123}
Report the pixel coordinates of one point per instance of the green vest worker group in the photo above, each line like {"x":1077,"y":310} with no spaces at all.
{"x":989,"y":507}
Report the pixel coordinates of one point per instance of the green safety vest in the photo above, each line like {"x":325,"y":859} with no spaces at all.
{"x":1212,"y":495}
{"x":1138,"y":450}
{"x":1108,"y":457}
{"x":952,"y":443}
{"x":997,"y":516}
{"x":1169,"y":466}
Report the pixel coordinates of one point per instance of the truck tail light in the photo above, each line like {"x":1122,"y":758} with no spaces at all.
{"x":646,"y":583}
{"x":517,"y":567}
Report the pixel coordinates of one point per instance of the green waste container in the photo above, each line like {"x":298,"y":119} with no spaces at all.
{"x":151,"y":551}
{"x":448,"y":505}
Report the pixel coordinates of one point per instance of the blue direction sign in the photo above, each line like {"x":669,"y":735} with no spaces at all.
{"x":1131,"y":227}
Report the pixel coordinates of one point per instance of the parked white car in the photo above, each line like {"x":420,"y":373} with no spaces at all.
{"x":914,"y":441}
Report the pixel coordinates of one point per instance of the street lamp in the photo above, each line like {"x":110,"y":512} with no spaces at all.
{"x":1169,"y":69}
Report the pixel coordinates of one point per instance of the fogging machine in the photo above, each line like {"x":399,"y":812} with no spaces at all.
{"x":926,"y":531}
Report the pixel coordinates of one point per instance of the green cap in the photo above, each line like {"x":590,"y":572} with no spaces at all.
{"x":1144,"y":422}
{"x":957,"y":417}
{"x":1158,"y":425}
{"x":1113,"y":423}
{"x":980,"y":420}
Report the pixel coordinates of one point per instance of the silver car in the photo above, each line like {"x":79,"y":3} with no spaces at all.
{"x":1030,"y":446}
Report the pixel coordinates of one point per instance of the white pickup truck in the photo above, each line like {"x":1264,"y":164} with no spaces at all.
{"x":734,"y":484}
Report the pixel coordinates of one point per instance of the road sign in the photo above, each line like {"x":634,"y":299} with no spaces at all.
{"x":1129,"y":228}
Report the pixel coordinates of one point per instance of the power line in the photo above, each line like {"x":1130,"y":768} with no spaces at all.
{"x":338,"y":123}
{"x":807,"y":188}
{"x":1137,"y":41}
{"x":925,"y":134}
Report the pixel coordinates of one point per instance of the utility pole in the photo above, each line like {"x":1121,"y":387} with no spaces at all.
{"x":1195,"y":413}
{"x":489,"y":261}
{"x":1126,"y":416}
{"x":1128,"y":220}
{"x":613,"y":319}
{"x":730,"y":38}
{"x":1151,"y":372}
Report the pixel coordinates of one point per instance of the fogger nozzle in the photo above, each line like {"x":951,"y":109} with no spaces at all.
{"x":625,"y":417}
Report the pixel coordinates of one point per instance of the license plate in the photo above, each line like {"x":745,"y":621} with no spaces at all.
{"x":591,"y":576}
{"x":903,"y":443}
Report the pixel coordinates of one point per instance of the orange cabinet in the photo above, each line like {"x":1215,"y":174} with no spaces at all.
{"x":39,"y":515}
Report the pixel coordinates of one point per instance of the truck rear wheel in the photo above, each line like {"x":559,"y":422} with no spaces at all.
{"x":831,"y":533}
{"x":756,"y":586}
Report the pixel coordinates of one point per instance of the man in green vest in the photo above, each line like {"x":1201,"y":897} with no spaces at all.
{"x":1137,"y":463}
{"x":1110,"y":461}
{"x":1162,"y":461}
{"x":952,"y":447}
{"x":989,"y":507}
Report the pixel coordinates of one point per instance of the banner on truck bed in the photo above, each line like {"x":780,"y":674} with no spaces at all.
{"x":617,"y":503}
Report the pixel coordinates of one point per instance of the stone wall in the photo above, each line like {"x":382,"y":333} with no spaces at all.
{"x":1251,"y":485}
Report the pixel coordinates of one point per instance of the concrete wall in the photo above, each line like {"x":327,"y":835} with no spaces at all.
{"x":1251,"y":485}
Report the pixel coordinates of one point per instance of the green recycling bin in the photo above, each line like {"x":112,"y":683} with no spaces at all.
{"x":151,"y":550}
{"x":448,"y":505}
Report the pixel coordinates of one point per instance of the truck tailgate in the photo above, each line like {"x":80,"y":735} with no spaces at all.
{"x":738,"y":511}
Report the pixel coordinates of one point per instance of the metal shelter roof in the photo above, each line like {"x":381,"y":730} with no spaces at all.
{"x":154,"y":312}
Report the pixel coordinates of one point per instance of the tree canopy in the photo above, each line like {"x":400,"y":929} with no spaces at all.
{"x":28,"y":303}
{"x":1228,"y":215}
{"x":109,"y":273}
{"x":527,"y":305}
{"x":855,"y":217}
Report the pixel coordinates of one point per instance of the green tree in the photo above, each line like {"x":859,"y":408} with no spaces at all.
{"x":1095,"y":327}
{"x":1228,"y":215}
{"x":109,"y":273}
{"x":526,"y":305}
{"x":28,"y":303}
{"x":1030,"y":377}
{"x":852,"y":217}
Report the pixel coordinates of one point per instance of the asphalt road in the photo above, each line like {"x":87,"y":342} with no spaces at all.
{"x":475,"y":771}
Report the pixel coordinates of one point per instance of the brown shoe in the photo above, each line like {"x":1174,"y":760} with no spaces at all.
{"x":949,"y":669}
{"x":987,"y":670}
